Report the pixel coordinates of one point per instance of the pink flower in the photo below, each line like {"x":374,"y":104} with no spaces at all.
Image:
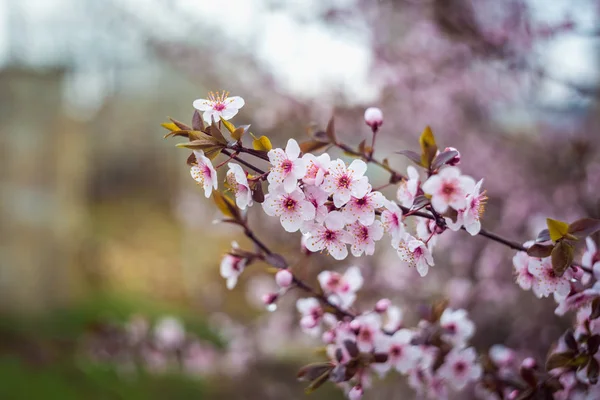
{"x":578,"y":300}
{"x":591,"y":257}
{"x":344,"y":182}
{"x":367,"y":327}
{"x":407,"y":190}
{"x":238,"y":182}
{"x":415,"y":253}
{"x":521,"y":262}
{"x":284,"y":278}
{"x":391,"y":218}
{"x":363,"y":208}
{"x":457,"y":326}
{"x":547,"y":282}
{"x":219,"y":105}
{"x":341,"y":289}
{"x":355,"y":393}
{"x":373,"y":117}
{"x":364,"y":237}
{"x":169,"y":333}
{"x":312,"y":314}
{"x":316,"y":168}
{"x":231,"y":268}
{"x":448,"y":188}
{"x":204,"y":173}
{"x":291,"y":208}
{"x":317,"y":197}
{"x":286,"y":168}
{"x":331,"y":236}
{"x":402,"y":355}
{"x":501,"y":355}
{"x":470,"y":215}
{"x":460,"y":368}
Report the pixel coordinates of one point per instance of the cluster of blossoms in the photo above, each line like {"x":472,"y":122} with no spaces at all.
{"x":334,"y":206}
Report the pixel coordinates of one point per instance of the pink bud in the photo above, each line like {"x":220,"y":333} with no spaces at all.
{"x":355,"y":393}
{"x":456,"y":160}
{"x":355,"y":325}
{"x":528,"y":363}
{"x":269,"y":300}
{"x":382,"y":305}
{"x":513,"y":395}
{"x":284,"y":278}
{"x":374,"y":117}
{"x":577,"y":273}
{"x":328,"y":337}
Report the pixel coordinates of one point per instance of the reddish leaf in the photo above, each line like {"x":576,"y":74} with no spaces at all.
{"x":559,"y":360}
{"x":414,"y":157}
{"x":197,"y":121}
{"x":593,"y":344}
{"x":276,"y":260}
{"x":584,"y":227}
{"x":258,"y":195}
{"x":593,"y":371}
{"x":595,"y":308}
{"x":443,"y":158}
{"x":540,"y":250}
{"x":180,"y":125}
{"x":543,"y":236}
{"x":562,"y":257}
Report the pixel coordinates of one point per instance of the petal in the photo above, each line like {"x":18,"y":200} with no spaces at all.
{"x":422,"y":267}
{"x":291,"y":222}
{"x":290,"y":183}
{"x":439,"y":204}
{"x":449,"y":173}
{"x":412,"y":173}
{"x":308,"y":210}
{"x":299,"y":168}
{"x":305,"y":306}
{"x":432,"y":184}
{"x":467,"y":183}
{"x":341,"y":197}
{"x":357,"y":168}
{"x":314,"y":243}
{"x":360,"y":187}
{"x":202,"y":105}
{"x":335,"y":220}
{"x":270,"y":205}
{"x":473,"y":228}
{"x":337,"y":250}
{"x":229,"y":113}
{"x":354,"y":278}
{"x":235,"y":102}
{"x":376,"y":230}
{"x":292,"y":149}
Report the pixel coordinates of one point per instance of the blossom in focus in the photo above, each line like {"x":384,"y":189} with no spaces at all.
{"x":238,"y":182}
{"x":460,"y":368}
{"x":521,"y":262}
{"x":363,"y":208}
{"x":317,"y":197}
{"x":457,"y":326}
{"x":391,"y":218}
{"x":415,"y":253}
{"x":218,"y":105}
{"x":316,"y":168}
{"x":231,"y":268}
{"x":330,"y":235}
{"x":470,"y":215}
{"x":344,"y":182}
{"x":204,"y":173}
{"x":286,"y":167}
{"x":364,"y":237}
{"x":448,"y":189}
{"x":291,"y":208}
{"x":407,"y":190}
{"x":373,"y":117}
{"x":547,"y":282}
{"x":341,"y":289}
{"x":169,"y":333}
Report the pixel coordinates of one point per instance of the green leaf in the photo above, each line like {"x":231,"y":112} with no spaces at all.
{"x":540,"y":250}
{"x":428,"y":147}
{"x":262,"y":143}
{"x":557,"y":229}
{"x":562,"y":257}
{"x":584,"y":227}
{"x":230,"y":127}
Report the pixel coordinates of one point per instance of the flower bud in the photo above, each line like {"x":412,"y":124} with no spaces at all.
{"x":269,"y":300}
{"x":284,"y":278}
{"x":528,"y":363}
{"x":454,"y":161}
{"x":382,"y":305}
{"x":328,"y":337}
{"x":374,"y":118}
{"x":355,"y":393}
{"x":355,"y":325}
{"x":577,"y":272}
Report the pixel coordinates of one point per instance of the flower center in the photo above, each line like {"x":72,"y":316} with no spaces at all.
{"x":344,"y":182}
{"x":218,"y":106}
{"x":287,"y":165}
{"x":460,"y":367}
{"x":330,"y":236}
{"x":366,"y":335}
{"x":448,"y":189}
{"x":396,"y":351}
{"x":290,"y":203}
{"x":363,"y":233}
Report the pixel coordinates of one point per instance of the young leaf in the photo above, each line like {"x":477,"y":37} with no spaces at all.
{"x":559,"y":360}
{"x":543,"y":236}
{"x":276,"y":260}
{"x":362,"y":146}
{"x":181,"y":125}
{"x":557,"y":229}
{"x":230,"y":127}
{"x":239,"y":132}
{"x":216,"y":133}
{"x":226,"y":205}
{"x":428,"y":146}
{"x":540,"y":250}
{"x":593,"y":344}
{"x":257,"y":192}
{"x":443,"y":158}
{"x":170,"y":126}
{"x":414,"y":157}
{"x":262,"y":143}
{"x":197,"y":121}
{"x":562,"y":257}
{"x":584,"y":227}
{"x":330,"y":130}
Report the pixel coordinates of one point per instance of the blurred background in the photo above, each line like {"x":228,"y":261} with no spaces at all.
{"x":106,"y":244}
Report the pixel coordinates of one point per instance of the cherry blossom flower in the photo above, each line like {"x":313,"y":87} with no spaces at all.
{"x":402,"y":355}
{"x":457,"y":326}
{"x":316,"y":168}
{"x":391,"y":219}
{"x":448,"y":188}
{"x":374,"y":117}
{"x":547,"y":282}
{"x":238,"y":182}
{"x":344,"y":182}
{"x":204,"y":173}
{"x":591,"y":257}
{"x":415,"y":253}
{"x":341,"y":289}
{"x":521,"y":262}
{"x":284,"y":278}
{"x":291,"y":208}
{"x":367,"y":327}
{"x":460,"y":368}
{"x":312,"y":314}
{"x":363,"y":208}
{"x":578,"y":300}
{"x":331,"y":236}
{"x":317,"y":197}
{"x":286,"y":168}
{"x":169,"y":333}
{"x":408,"y":189}
{"x":364,"y":237}
{"x":470,"y":215}
{"x":231,"y":268}
{"x":219,"y":105}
